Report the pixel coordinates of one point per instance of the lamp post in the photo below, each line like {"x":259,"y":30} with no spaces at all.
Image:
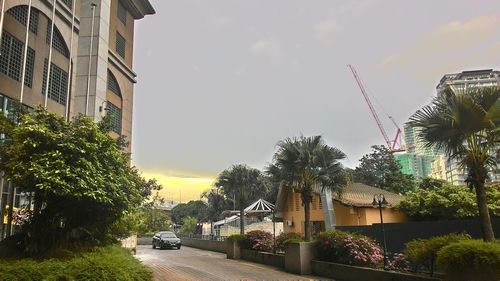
{"x":380,"y":202}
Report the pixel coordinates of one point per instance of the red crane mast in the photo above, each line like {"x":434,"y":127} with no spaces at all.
{"x":390,"y":144}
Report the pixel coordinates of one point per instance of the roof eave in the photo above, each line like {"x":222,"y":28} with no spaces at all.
{"x":139,"y":8}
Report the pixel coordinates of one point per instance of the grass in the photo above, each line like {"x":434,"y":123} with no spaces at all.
{"x":106,"y":263}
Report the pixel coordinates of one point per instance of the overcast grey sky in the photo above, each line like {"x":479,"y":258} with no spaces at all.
{"x":221,"y":81}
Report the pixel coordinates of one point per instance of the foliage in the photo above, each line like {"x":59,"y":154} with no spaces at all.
{"x":287,"y":237}
{"x":193,"y":208}
{"x":257,"y":240}
{"x":470,"y":260}
{"x":301,"y":164}
{"x":189,"y":225}
{"x":464,"y":124}
{"x":245,"y":183}
{"x":347,"y":248}
{"x":107,"y":263}
{"x":236,"y":237}
{"x":217,"y":204}
{"x":430,"y":183}
{"x":380,"y":169}
{"x":80,"y":178}
{"x":423,"y":252}
{"x":448,"y":202}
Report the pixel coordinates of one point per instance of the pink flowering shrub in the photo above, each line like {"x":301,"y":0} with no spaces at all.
{"x":257,"y":240}
{"x":347,"y":248}
{"x":398,"y":262}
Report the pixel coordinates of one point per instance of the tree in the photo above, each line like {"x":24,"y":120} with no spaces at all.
{"x":79,"y":176}
{"x":464,"y":124}
{"x":193,"y":208}
{"x":245,"y":184}
{"x":217,"y":204}
{"x":189,"y":225}
{"x":380,"y":169}
{"x":447,"y":202}
{"x":301,"y":164}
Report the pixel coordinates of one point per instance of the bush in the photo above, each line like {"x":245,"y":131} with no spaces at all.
{"x":398,"y":262}
{"x":423,"y":252}
{"x":236,"y":237}
{"x":257,"y":240}
{"x":347,"y":248}
{"x":470,"y":260}
{"x":107,"y":263}
{"x":284,"y":238}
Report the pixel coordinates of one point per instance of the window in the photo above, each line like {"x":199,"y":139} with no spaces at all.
{"x":320,"y":203}
{"x":122,"y":13}
{"x":58,"y":83}
{"x":20,"y":13}
{"x":115,"y":114}
{"x":11,"y":59}
{"x":57,"y":42}
{"x":120,"y":45}
{"x":68,"y":3}
{"x":113,"y":84}
{"x":297,"y":202}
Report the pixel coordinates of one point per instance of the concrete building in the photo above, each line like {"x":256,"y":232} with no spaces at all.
{"x":90,"y":65}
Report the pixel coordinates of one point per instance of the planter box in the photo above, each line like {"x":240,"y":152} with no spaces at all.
{"x":298,"y":257}
{"x":354,"y":273}
{"x":232,"y":250}
{"x":266,"y":258}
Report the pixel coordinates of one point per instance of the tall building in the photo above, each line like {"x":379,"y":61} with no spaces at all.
{"x":462,"y":81}
{"x":90,"y":64}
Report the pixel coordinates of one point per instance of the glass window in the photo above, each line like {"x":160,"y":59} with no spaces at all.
{"x":11,"y":64}
{"x":120,"y":45}
{"x":115,"y":114}
{"x":68,"y":3}
{"x":20,"y":13}
{"x":122,"y":13}
{"x":57,"y":42}
{"x":113,"y":84}
{"x":58,"y":83}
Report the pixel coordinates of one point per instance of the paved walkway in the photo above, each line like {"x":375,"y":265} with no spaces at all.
{"x":195,"y":264}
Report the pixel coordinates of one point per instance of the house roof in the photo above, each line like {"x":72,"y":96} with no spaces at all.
{"x":361,"y":195}
{"x":260,"y":206}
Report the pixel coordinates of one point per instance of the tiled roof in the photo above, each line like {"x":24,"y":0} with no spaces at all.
{"x":361,"y":195}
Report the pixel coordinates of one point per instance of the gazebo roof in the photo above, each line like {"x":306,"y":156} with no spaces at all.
{"x":260,"y":206}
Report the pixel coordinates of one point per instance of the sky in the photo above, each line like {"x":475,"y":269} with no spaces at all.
{"x":220,"y":82}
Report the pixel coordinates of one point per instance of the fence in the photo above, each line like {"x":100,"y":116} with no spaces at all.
{"x":397,"y":234}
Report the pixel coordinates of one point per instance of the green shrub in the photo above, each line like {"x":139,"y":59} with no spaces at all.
{"x":284,"y":238}
{"x":470,"y":260}
{"x":347,"y":248}
{"x":236,"y":237}
{"x":423,"y":252}
{"x":257,"y":240}
{"x":107,"y":263}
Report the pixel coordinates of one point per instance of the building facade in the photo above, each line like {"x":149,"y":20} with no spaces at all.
{"x":89,"y":47}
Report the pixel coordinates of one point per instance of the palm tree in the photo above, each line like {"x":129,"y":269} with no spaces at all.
{"x":465,"y":125}
{"x":244,"y":183}
{"x":303,"y":163}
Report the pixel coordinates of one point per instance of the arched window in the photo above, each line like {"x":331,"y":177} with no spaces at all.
{"x":58,"y":42}
{"x":113,"y":84}
{"x":20,"y":13}
{"x":114,"y":111}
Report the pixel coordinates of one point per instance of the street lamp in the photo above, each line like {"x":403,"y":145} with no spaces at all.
{"x":380,"y":202}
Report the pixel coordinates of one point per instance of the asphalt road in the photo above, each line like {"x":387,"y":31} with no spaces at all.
{"x":195,"y":264}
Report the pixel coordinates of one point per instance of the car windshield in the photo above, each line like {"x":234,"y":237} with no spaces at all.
{"x":168,"y":235}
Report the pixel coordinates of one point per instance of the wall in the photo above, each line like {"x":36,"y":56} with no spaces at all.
{"x":263,"y":258}
{"x":227,"y":230}
{"x":397,"y":234}
{"x":210,"y":245}
{"x":354,"y":273}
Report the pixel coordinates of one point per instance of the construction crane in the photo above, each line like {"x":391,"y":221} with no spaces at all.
{"x":393,"y":145}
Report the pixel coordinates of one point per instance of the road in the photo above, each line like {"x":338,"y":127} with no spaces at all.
{"x":195,"y":264}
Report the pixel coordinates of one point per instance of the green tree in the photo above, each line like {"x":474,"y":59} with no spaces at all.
{"x":193,"y":208}
{"x":447,"y":202}
{"x":301,"y":164}
{"x":189,"y":225}
{"x":245,"y":184}
{"x":79,"y":176}
{"x":380,"y":169}
{"x":217,"y":204}
{"x":465,"y":125}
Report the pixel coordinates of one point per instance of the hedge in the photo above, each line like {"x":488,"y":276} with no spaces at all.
{"x":106,"y":264}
